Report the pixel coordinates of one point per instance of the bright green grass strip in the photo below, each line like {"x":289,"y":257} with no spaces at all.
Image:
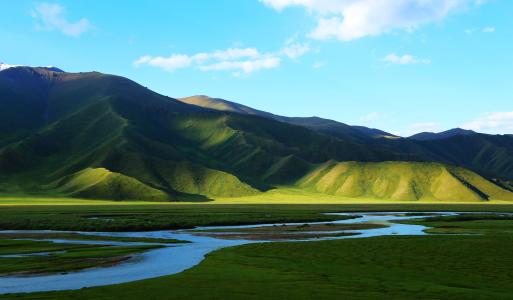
{"x":282,"y":195}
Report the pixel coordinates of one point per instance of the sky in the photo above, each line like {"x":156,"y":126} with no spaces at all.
{"x":403,"y":66}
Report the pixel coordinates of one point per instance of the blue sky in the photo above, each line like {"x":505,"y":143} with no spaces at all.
{"x":399,"y":65}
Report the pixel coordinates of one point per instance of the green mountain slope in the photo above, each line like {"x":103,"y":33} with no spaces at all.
{"x":401,"y":181}
{"x":92,"y":120}
{"x":100,"y":183}
{"x":325,"y":126}
{"x":100,"y":136}
{"x":487,"y":154}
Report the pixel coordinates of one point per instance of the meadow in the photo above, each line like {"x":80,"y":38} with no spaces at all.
{"x":475,"y":266}
{"x":293,"y":206}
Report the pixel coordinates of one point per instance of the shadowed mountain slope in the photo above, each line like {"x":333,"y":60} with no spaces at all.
{"x":491,"y":155}
{"x":59,"y":124}
{"x":428,"y":136}
{"x":326,"y":126}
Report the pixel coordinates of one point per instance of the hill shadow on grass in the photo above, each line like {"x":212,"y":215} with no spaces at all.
{"x":184,"y":197}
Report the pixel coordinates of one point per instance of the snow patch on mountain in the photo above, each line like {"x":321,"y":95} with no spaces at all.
{"x":4,"y":66}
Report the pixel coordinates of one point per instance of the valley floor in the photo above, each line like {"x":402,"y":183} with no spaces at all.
{"x":476,"y":265}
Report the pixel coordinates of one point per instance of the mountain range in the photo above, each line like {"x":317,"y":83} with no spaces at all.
{"x":100,"y":136}
{"x":427,"y":136}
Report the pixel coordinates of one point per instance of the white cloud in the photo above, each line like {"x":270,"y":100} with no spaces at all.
{"x":233,"y":53}
{"x":51,"y":17}
{"x":425,"y":126}
{"x":237,"y":60}
{"x":247,"y":66}
{"x":295,"y":50}
{"x":494,"y":122}
{"x":405,"y":59}
{"x":489,"y":29}
{"x":352,"y":19}
{"x":171,"y":63}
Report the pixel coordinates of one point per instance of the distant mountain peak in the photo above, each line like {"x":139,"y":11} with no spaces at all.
{"x":54,"y":69}
{"x":4,"y":66}
{"x":224,"y":105}
{"x":374,"y":132}
{"x":427,"y":136}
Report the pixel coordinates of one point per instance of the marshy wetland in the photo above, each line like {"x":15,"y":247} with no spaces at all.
{"x":43,"y":260}
{"x":275,"y":245}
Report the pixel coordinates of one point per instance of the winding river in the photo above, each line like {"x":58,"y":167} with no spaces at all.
{"x":175,"y":258}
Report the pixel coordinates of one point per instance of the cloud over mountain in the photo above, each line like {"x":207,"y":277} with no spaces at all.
{"x":236,"y":60}
{"x":492,"y":122}
{"x":52,"y":17}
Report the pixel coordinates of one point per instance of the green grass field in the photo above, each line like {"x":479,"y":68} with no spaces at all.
{"x":420,"y":267}
{"x":107,"y":216}
{"x":428,"y":267}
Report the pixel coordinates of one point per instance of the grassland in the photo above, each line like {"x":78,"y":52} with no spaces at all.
{"x":420,"y":267}
{"x":127,"y":216}
{"x":151,"y":217}
{"x":470,"y":224}
{"x":431,"y":267}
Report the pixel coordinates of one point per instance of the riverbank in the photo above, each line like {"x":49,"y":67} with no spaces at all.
{"x":393,"y":267}
{"x":174,"y":258}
